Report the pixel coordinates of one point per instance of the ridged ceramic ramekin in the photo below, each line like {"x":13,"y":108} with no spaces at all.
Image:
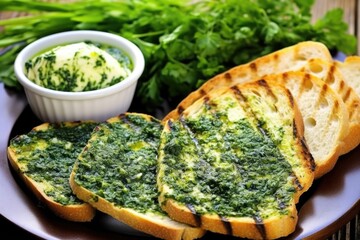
{"x":98,"y":105}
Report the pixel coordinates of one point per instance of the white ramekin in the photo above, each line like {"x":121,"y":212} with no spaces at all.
{"x":98,"y":105}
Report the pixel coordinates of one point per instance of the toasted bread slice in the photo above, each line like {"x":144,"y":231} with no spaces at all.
{"x":324,"y":115}
{"x":116,"y":173}
{"x":235,"y":162}
{"x":287,"y":59}
{"x":351,"y":72}
{"x":330,"y":73}
{"x":44,"y":157}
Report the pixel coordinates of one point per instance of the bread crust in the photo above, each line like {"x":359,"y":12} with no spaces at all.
{"x":75,"y":212}
{"x":155,"y":225}
{"x":244,"y":227}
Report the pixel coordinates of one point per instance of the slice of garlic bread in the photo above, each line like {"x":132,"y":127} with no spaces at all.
{"x":325,"y":117}
{"x":287,"y":59}
{"x":235,"y":162}
{"x":44,"y":157}
{"x":116,"y":173}
{"x":330,"y":73}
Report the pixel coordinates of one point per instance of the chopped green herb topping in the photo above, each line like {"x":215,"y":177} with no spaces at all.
{"x":47,"y":156}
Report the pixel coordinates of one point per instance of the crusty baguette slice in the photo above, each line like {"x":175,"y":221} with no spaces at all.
{"x":235,"y":162}
{"x":330,"y":73}
{"x":324,"y":115}
{"x":116,"y":173}
{"x":43,"y":158}
{"x":287,"y":59}
{"x":350,"y":70}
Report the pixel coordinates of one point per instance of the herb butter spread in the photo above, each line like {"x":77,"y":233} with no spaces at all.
{"x":219,"y":160}
{"x":47,"y":154}
{"x":120,"y":161}
{"x":76,"y":67}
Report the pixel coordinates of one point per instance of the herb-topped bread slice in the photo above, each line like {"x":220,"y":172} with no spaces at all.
{"x":235,"y":162}
{"x":116,"y":173}
{"x":44,"y":158}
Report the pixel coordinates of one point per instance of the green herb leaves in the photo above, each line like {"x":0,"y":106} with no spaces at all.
{"x":184,"y":42}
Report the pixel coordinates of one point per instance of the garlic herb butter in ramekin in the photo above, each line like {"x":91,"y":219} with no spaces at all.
{"x":76,"y":67}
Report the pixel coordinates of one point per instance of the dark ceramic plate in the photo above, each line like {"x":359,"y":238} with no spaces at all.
{"x":330,"y":203}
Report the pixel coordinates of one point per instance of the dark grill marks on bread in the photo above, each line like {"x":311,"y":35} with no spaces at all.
{"x":197,"y":217}
{"x":228,"y":77}
{"x":330,"y":75}
{"x":221,"y":111}
{"x":243,"y":102}
{"x":310,"y":164}
{"x":180,"y":110}
{"x":263,"y":83}
{"x":260,"y":227}
{"x":347,"y":95}
{"x":305,"y":149}
{"x":202,"y":92}
{"x":297,"y":183}
{"x":227,"y":225}
{"x":253,"y":67}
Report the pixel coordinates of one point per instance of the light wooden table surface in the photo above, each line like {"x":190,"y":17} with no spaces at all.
{"x":351,"y":9}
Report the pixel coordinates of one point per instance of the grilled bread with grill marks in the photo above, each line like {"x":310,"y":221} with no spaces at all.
{"x":116,"y":173}
{"x":235,"y":162}
{"x":44,"y":157}
{"x":351,"y":72}
{"x":324,"y":115}
{"x":287,"y":59}
{"x":330,"y":73}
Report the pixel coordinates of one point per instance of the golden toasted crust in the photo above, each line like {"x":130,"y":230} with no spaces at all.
{"x":268,"y":228}
{"x":330,"y":73}
{"x":77,"y":212}
{"x":287,"y":59}
{"x":155,"y":225}
{"x":244,"y":227}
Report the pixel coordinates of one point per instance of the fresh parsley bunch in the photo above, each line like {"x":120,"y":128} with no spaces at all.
{"x":184,"y":42}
